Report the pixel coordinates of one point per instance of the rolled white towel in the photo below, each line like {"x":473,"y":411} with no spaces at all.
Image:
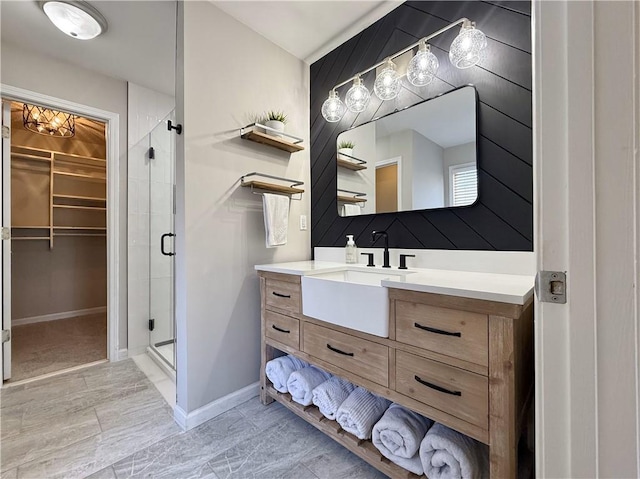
{"x":398,"y":434}
{"x":448,"y":454}
{"x":360,"y":411}
{"x":279,"y":369}
{"x":302,"y":382}
{"x":329,"y":395}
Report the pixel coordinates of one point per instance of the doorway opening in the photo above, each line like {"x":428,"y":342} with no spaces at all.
{"x":58,"y":274}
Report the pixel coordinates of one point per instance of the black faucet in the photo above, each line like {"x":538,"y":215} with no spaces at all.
{"x":374,"y":236}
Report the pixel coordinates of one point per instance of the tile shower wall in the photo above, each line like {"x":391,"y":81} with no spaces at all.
{"x":147,"y":108}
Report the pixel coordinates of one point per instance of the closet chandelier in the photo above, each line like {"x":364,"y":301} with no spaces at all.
{"x":48,"y":122}
{"x":466,"y":51}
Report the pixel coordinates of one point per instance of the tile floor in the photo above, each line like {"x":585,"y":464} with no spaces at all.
{"x":109,"y":421}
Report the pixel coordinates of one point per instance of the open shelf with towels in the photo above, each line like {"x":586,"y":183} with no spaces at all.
{"x":351,"y":162}
{"x":354,"y":198}
{"x":259,"y":185}
{"x":250,"y":132}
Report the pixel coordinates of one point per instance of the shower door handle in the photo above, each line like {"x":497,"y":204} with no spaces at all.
{"x":162,"y":250}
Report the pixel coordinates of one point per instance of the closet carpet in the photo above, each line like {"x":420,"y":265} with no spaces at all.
{"x":42,"y":348}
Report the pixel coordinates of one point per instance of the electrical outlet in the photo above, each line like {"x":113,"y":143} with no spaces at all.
{"x":303,"y":222}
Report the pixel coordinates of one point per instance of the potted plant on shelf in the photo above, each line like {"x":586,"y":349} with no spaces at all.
{"x":346,"y":148}
{"x":275,"y":120}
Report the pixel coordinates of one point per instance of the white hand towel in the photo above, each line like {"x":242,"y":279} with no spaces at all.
{"x":331,"y":394}
{"x":301,"y":383}
{"x":448,"y":454}
{"x":276,"y":218}
{"x":279,"y":369}
{"x":398,"y":434}
{"x":351,"y":210}
{"x":360,"y":411}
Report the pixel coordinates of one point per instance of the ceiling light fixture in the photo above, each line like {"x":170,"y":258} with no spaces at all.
{"x":466,"y":51}
{"x":48,"y":122}
{"x":78,"y":19}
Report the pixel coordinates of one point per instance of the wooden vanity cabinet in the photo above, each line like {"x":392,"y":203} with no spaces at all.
{"x":463,"y":362}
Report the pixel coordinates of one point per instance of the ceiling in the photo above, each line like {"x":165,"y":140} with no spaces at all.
{"x":139,"y":45}
{"x":140,"y":42}
{"x":307,"y":29}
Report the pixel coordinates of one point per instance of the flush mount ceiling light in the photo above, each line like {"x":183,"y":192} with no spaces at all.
{"x":466,"y":51}
{"x":333,"y":109}
{"x":423,"y":66}
{"x":468,"y":47}
{"x":48,"y":122}
{"x":358,"y":96}
{"x":77,"y":19}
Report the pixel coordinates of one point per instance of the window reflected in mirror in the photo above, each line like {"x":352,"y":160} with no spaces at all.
{"x":422,"y":157}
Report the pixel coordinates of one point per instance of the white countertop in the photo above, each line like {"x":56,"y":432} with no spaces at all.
{"x":504,"y":288}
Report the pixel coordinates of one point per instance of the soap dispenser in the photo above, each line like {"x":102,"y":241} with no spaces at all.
{"x":351,"y":251}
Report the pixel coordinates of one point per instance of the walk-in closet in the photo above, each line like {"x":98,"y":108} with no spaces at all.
{"x":58,"y":247}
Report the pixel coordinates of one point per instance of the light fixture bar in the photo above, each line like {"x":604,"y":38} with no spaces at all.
{"x":403,"y":51}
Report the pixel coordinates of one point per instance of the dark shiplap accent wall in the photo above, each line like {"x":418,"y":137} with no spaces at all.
{"x":502,"y":219}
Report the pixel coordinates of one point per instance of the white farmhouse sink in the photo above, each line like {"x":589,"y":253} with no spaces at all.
{"x":351,"y":297}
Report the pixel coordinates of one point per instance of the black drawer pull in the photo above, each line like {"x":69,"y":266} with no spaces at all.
{"x":338,"y":351}
{"x":279,"y":329}
{"x":437,"y":388}
{"x":437,"y":331}
{"x":279,"y":295}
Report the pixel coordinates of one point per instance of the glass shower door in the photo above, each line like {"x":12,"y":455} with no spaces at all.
{"x":161,"y":241}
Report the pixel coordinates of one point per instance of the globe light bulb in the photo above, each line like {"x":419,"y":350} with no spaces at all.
{"x":387,"y":84}
{"x":357,"y":97}
{"x":468,"y":47}
{"x":423,"y":66}
{"x":333,"y":109}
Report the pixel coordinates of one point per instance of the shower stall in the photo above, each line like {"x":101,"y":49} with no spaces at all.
{"x":151,"y":243}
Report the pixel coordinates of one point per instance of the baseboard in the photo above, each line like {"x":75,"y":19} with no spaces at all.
{"x":55,"y":316}
{"x":122,"y":354}
{"x":190,"y":420}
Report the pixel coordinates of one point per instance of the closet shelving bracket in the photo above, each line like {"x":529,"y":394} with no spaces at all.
{"x":250,"y":132}
{"x":259,"y":185}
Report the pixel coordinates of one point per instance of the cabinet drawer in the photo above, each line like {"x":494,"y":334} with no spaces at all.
{"x":455,"y":391}
{"x":283,"y":295}
{"x":282,"y":328}
{"x":459,"y":334}
{"x":365,"y":358}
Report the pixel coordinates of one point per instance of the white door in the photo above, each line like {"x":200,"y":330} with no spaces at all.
{"x":5,"y":260}
{"x":587,"y":190}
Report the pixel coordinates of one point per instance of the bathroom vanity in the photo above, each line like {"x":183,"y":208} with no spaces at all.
{"x":459,"y":350}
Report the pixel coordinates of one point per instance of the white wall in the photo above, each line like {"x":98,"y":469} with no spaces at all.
{"x":399,"y":144}
{"x":28,"y":70}
{"x":229,"y":73}
{"x":428,"y":175}
{"x":147,"y":108}
{"x":363,"y":181}
{"x":457,"y":155}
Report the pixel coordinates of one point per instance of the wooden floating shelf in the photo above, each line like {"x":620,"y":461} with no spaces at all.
{"x":351,"y":199}
{"x":262,"y":185}
{"x":351,"y":165}
{"x":272,"y":141}
{"x":363,"y":449}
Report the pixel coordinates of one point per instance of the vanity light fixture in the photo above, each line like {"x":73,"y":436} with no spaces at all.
{"x":423,"y":66}
{"x":387,"y":84}
{"x":466,"y":51}
{"x":333,"y":109}
{"x":48,"y":122}
{"x":76,"y":18}
{"x":358,"y":96}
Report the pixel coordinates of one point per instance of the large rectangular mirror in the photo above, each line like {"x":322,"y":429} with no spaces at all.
{"x":422,"y":157}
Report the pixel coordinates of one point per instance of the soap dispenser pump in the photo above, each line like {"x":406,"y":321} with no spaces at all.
{"x":351,"y":251}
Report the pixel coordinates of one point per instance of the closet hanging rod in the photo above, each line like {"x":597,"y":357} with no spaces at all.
{"x":30,"y":238}
{"x":83,"y":198}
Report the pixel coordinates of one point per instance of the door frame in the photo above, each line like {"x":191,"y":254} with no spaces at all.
{"x":112,"y":121}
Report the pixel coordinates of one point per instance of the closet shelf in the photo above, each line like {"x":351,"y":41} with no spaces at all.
{"x":82,"y":198}
{"x":30,"y":238}
{"x":265,"y":186}
{"x":79,"y":175}
{"x":363,"y":449}
{"x":31,"y":227}
{"x":249,"y":132}
{"x":76,"y":207}
{"x":82,"y":228}
{"x":350,"y":164}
